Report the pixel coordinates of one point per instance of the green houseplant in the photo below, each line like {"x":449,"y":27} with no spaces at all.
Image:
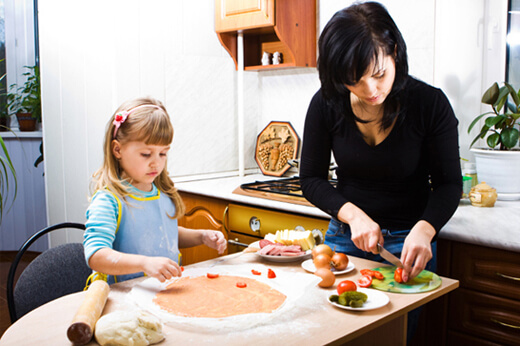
{"x":503,"y":119}
{"x":6,"y":168}
{"x":499,"y":163}
{"x":25,"y":101}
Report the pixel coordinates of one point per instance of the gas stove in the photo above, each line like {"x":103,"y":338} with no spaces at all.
{"x":285,"y":190}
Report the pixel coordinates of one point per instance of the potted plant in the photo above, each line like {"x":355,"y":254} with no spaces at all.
{"x":499,"y":164}
{"x":4,"y":114}
{"x":25,"y":101}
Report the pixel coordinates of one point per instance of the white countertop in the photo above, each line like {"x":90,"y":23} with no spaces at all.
{"x":497,"y":227}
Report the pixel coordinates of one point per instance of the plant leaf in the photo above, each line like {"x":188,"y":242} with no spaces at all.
{"x":492,"y":121}
{"x":491,"y":95}
{"x":493,"y":140}
{"x":502,"y":98}
{"x":509,"y":137}
{"x":477,"y":119}
{"x":513,"y":93}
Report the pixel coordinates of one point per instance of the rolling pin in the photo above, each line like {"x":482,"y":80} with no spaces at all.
{"x":81,"y":330}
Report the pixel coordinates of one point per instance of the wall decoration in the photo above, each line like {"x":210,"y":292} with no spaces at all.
{"x":275,"y":145}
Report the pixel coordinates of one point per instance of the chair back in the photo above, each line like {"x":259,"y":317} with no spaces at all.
{"x":56,"y":272}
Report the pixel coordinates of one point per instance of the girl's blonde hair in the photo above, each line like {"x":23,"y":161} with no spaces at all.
{"x":150,"y":125}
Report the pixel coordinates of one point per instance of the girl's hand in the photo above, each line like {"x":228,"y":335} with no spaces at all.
{"x":365,"y":232}
{"x":214,"y":240}
{"x":161,"y":268}
{"x":417,"y":250}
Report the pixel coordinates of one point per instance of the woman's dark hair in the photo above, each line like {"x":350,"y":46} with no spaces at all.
{"x":350,"y":42}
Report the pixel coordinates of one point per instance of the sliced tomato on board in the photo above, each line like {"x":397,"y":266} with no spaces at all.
{"x":372,"y":273}
{"x":255,"y":272}
{"x":212,"y":276}
{"x":270,"y":274}
{"x":365,"y":281}
{"x":241,"y":284}
{"x":398,"y":275}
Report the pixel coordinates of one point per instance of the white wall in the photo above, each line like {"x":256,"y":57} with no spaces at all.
{"x":92,"y":60}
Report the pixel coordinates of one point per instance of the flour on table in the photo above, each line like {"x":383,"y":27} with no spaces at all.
{"x":293,"y":285}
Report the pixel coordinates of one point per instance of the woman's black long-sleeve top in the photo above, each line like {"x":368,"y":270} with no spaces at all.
{"x":414,"y":174}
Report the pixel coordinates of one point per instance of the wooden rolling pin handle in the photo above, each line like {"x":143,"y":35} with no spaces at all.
{"x":81,"y":330}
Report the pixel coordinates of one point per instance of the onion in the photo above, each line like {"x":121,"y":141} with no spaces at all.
{"x":322,"y":248}
{"x":339,"y":261}
{"x":322,"y":261}
{"x":327,"y":277}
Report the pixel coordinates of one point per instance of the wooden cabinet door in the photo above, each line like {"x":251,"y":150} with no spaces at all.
{"x":201,"y":213}
{"x":231,"y":15}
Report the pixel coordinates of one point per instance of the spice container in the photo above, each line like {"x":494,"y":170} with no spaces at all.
{"x":483,"y":195}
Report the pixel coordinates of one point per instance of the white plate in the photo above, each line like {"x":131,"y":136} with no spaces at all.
{"x":375,"y":300}
{"x":308,"y":265}
{"x":281,"y":259}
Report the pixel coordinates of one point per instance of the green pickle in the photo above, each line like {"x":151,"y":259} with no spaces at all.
{"x":334,"y":298}
{"x":342,"y":300}
{"x":352,"y":298}
{"x":356,"y":303}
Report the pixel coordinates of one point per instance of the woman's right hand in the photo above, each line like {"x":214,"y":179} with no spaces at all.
{"x":365,"y":232}
{"x":161,"y":268}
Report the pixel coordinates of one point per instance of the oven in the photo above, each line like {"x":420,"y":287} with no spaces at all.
{"x":247,"y":224}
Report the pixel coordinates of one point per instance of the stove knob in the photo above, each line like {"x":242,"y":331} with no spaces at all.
{"x":254,"y":224}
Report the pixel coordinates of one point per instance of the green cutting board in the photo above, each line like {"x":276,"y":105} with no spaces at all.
{"x":424,"y":282}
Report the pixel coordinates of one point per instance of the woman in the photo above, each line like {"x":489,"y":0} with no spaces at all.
{"x":394,"y":140}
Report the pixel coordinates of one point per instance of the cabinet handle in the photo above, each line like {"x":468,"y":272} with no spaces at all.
{"x":505,"y":324}
{"x":224,"y":217}
{"x":508,"y":277}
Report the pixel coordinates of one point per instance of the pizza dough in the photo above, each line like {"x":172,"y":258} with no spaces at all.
{"x":128,"y":328}
{"x":218,"y":297}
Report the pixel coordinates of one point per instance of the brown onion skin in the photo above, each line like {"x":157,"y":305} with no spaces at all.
{"x":339,"y":261}
{"x":322,"y":261}
{"x":327,"y":277}
{"x":322,"y":248}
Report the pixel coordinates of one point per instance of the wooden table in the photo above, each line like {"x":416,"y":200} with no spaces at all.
{"x":319,"y":323}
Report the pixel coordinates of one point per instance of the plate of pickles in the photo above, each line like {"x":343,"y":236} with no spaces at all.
{"x":361,"y":300}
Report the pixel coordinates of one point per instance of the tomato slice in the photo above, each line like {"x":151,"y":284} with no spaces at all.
{"x":367,"y":272}
{"x":270,"y":274}
{"x":398,"y":275}
{"x":372,"y":273}
{"x":241,"y":284}
{"x":212,"y":276}
{"x":365,"y":281}
{"x":255,"y":272}
{"x":378,"y":275}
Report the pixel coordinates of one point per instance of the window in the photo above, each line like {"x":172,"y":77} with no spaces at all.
{"x":513,"y":44}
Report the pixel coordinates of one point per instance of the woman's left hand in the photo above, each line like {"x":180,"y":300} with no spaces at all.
{"x":214,"y":240}
{"x":417,"y":250}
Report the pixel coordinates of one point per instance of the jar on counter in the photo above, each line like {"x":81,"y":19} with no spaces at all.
{"x":483,"y":195}
{"x":470,"y":170}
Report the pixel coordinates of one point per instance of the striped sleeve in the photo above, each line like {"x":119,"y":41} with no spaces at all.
{"x":101,"y":223}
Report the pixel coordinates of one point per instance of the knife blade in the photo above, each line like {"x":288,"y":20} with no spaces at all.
{"x":389,"y":256}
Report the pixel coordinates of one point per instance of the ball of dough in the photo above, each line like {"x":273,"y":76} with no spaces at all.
{"x":128,"y":328}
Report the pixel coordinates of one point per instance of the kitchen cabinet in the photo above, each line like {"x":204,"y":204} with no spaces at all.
{"x":248,"y":224}
{"x":285,"y":26}
{"x":239,"y":223}
{"x":201,"y":213}
{"x":486,"y":305}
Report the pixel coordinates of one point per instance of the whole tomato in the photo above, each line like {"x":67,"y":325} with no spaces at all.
{"x":346,"y":285}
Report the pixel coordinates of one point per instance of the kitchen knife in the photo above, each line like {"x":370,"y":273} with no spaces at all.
{"x":389,"y":256}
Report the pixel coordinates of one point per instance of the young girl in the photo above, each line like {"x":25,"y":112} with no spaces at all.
{"x":132,"y":219}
